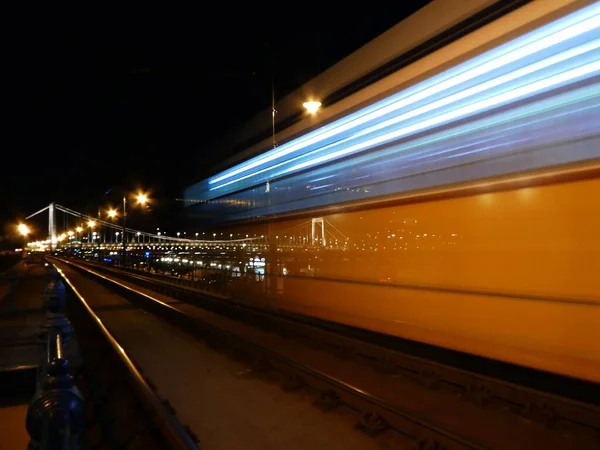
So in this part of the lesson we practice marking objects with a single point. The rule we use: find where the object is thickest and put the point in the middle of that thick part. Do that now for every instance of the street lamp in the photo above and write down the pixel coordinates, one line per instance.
(142, 199)
(91, 224)
(312, 106)
(112, 214)
(23, 229)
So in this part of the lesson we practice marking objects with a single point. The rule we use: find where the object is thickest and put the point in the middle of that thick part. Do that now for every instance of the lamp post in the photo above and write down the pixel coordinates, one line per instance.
(78, 236)
(142, 199)
(273, 111)
(23, 231)
(91, 224)
(112, 213)
(124, 258)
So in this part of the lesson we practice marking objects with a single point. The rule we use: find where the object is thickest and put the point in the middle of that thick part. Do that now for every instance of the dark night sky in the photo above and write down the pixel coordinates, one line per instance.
(129, 96)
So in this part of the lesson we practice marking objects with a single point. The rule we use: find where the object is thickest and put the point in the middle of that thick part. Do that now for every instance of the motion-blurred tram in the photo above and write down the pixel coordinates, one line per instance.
(454, 202)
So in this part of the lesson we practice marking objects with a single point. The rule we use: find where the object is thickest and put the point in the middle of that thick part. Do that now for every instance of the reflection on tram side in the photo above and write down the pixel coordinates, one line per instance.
(455, 207)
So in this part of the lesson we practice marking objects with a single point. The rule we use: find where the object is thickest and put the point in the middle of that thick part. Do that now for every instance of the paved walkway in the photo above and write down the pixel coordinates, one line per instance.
(19, 322)
(20, 353)
(8, 283)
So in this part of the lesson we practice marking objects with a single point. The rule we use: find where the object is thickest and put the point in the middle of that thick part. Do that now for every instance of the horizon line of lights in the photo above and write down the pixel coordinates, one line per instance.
(539, 40)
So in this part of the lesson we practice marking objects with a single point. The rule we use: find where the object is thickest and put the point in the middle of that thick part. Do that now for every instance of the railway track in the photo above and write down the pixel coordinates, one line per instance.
(430, 404)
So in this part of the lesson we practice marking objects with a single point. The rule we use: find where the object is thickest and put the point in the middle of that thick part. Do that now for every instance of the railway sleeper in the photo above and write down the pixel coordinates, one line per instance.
(372, 423)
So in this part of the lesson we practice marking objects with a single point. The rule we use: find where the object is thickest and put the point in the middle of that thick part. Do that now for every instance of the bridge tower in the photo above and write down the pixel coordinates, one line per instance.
(52, 225)
(315, 222)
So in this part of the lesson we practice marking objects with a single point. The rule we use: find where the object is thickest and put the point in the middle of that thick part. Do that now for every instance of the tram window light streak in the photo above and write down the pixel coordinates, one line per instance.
(534, 127)
(480, 88)
(531, 89)
(534, 42)
(554, 120)
(557, 129)
(509, 94)
(471, 71)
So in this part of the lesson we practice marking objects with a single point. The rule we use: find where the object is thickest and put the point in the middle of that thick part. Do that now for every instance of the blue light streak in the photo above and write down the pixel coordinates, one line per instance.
(532, 43)
(526, 97)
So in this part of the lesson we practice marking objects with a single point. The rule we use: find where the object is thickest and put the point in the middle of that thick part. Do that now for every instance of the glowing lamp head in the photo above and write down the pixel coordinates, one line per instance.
(79, 229)
(91, 223)
(112, 213)
(312, 106)
(23, 229)
(142, 199)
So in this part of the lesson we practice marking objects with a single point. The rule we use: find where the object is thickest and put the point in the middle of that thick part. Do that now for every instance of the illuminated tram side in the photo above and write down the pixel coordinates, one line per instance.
(504, 273)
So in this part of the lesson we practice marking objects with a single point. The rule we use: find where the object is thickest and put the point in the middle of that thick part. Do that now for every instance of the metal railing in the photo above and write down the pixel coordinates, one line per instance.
(137, 417)
(89, 392)
(56, 414)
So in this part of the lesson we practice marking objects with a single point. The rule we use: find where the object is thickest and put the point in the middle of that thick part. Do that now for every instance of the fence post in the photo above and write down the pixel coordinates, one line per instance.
(54, 305)
(56, 414)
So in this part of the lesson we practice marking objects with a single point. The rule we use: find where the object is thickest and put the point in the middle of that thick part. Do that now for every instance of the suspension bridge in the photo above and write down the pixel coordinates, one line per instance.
(68, 228)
